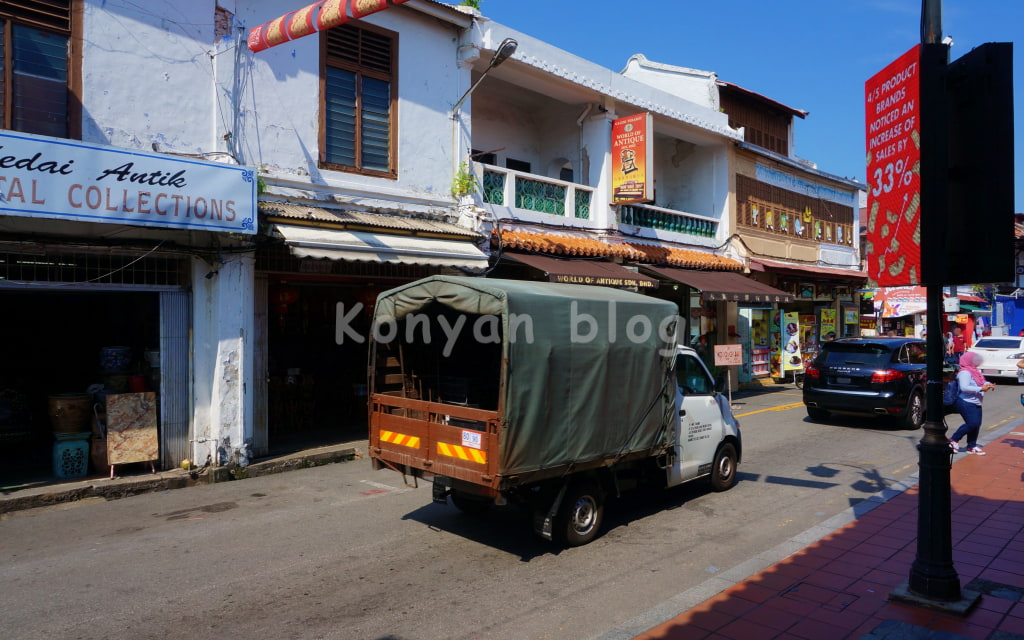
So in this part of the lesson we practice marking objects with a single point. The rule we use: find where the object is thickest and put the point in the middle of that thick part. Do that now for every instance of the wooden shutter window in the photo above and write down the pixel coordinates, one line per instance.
(49, 14)
(357, 47)
(358, 84)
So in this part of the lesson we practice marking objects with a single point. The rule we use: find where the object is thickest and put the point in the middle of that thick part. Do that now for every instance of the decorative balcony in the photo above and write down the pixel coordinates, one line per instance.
(506, 187)
(645, 215)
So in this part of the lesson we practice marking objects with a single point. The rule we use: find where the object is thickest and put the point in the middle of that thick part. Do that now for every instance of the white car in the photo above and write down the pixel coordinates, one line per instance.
(999, 355)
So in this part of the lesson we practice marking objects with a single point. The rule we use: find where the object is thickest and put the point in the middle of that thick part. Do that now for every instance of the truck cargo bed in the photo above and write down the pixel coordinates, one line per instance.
(442, 439)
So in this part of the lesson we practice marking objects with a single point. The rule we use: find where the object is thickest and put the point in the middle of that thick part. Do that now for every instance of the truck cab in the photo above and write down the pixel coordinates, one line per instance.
(707, 435)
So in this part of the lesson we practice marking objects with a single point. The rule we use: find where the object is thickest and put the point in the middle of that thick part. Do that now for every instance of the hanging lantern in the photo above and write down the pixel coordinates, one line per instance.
(284, 296)
(367, 296)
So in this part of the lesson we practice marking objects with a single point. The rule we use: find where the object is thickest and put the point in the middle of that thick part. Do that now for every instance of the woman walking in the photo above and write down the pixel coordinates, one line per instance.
(973, 386)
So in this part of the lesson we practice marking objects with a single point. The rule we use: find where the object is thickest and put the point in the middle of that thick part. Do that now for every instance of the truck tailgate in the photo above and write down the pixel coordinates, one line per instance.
(441, 439)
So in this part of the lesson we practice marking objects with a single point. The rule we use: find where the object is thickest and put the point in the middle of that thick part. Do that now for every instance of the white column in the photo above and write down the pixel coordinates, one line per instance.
(224, 330)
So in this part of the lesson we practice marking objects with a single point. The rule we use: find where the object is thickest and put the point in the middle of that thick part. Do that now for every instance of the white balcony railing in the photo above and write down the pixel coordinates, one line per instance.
(506, 187)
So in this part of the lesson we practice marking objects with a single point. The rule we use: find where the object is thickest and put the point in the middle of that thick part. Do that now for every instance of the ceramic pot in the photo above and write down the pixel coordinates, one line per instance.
(70, 412)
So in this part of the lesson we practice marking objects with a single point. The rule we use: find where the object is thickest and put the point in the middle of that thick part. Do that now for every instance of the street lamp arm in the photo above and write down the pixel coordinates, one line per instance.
(504, 52)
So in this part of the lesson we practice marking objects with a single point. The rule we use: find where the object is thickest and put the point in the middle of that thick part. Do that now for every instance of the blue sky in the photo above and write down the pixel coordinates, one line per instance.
(812, 55)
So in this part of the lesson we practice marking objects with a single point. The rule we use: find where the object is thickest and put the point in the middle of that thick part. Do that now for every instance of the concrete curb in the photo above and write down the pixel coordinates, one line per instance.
(116, 488)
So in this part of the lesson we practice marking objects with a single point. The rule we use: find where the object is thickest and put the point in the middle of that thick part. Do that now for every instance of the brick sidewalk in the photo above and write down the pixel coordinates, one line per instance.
(838, 587)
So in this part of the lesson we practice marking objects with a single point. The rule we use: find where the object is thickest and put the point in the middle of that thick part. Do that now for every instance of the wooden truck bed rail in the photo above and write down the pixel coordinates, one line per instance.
(442, 439)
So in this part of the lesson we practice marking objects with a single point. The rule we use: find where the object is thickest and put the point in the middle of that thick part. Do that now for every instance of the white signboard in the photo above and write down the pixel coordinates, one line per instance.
(728, 355)
(44, 177)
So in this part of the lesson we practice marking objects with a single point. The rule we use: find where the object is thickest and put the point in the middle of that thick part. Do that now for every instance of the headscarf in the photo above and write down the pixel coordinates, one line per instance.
(967, 364)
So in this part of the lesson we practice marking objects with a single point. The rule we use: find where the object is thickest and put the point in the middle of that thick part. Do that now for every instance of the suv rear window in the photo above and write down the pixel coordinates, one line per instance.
(870, 355)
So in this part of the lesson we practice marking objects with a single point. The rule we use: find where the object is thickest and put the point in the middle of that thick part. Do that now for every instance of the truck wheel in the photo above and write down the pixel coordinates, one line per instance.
(469, 505)
(580, 515)
(723, 471)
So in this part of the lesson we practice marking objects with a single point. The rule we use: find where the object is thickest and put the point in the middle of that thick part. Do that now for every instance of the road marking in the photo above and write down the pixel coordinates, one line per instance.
(783, 407)
(1000, 423)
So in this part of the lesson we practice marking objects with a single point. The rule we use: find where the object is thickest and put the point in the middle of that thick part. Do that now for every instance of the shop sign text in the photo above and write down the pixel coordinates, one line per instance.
(53, 178)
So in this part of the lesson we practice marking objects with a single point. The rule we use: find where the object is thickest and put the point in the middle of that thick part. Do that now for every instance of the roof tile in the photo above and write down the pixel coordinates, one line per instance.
(569, 244)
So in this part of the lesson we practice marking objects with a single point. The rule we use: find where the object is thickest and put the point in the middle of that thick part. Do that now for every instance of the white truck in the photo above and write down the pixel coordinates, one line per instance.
(550, 396)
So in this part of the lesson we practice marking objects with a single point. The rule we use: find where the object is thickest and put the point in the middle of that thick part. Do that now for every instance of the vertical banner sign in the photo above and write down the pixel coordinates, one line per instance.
(632, 159)
(312, 18)
(791, 360)
(892, 110)
(828, 322)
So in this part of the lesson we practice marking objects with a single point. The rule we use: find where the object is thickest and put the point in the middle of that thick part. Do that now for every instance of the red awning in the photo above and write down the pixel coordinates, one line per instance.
(808, 269)
(723, 285)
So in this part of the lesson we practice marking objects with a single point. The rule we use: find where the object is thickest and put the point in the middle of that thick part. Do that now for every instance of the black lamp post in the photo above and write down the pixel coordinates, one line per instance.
(933, 580)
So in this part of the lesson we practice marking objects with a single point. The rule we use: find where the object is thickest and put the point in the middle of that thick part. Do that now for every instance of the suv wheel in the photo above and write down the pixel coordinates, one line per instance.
(815, 413)
(915, 411)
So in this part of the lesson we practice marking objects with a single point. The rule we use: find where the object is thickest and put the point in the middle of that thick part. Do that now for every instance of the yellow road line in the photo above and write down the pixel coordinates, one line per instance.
(783, 407)
(1001, 423)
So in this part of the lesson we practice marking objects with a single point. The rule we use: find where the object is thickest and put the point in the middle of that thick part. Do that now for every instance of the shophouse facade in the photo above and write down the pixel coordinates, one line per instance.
(793, 226)
(541, 132)
(798, 227)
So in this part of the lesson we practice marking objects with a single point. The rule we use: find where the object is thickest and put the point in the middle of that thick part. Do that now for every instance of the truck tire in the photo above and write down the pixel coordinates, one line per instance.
(723, 470)
(579, 516)
(470, 505)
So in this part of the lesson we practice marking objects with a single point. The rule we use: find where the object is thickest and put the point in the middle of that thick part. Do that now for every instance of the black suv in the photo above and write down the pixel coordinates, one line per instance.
(872, 376)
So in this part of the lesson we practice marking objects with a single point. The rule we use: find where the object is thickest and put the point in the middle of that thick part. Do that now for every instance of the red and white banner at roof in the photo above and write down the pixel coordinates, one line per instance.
(315, 17)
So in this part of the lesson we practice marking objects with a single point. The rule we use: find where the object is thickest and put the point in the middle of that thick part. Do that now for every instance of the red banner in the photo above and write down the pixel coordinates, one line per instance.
(315, 17)
(632, 159)
(893, 108)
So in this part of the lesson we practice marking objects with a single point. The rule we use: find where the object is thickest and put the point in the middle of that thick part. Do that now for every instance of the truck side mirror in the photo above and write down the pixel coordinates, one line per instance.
(720, 384)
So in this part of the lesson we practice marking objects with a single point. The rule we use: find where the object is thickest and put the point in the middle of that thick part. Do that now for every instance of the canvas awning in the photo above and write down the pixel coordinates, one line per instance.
(724, 286)
(365, 246)
(595, 272)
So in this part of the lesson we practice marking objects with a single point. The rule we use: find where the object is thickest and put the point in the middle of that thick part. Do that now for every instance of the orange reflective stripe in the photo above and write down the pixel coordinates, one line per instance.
(462, 453)
(401, 439)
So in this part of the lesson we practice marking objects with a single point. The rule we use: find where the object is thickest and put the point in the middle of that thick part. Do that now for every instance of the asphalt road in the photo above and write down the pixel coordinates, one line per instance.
(345, 552)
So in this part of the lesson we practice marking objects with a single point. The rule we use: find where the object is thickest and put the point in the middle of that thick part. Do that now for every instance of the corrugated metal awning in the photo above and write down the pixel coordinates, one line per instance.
(596, 272)
(724, 286)
(364, 246)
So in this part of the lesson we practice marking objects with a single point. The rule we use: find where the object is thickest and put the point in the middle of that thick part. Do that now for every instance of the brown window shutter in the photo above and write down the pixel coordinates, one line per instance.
(47, 14)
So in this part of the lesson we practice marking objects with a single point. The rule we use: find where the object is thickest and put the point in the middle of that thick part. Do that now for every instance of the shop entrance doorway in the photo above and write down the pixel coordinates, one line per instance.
(54, 344)
(316, 373)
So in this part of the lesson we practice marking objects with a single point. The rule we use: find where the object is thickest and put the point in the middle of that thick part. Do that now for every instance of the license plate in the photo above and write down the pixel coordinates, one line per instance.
(990, 371)
(842, 381)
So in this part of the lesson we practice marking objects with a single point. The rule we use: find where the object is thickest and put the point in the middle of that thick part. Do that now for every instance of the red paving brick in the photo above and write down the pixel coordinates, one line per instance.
(837, 588)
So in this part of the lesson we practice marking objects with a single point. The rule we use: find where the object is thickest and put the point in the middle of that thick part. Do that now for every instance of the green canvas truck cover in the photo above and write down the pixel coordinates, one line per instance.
(587, 374)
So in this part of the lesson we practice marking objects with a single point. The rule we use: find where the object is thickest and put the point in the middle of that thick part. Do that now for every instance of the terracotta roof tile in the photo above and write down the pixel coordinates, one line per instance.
(569, 244)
